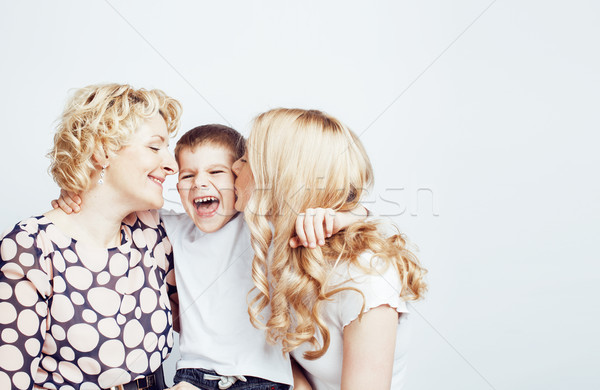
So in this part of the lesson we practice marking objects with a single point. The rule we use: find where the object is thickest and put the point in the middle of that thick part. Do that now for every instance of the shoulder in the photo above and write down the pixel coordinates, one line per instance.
(22, 235)
(368, 268)
(174, 221)
(367, 283)
(29, 225)
(24, 251)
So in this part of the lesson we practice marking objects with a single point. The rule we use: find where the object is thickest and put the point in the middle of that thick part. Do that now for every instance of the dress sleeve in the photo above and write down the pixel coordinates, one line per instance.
(380, 286)
(170, 270)
(24, 293)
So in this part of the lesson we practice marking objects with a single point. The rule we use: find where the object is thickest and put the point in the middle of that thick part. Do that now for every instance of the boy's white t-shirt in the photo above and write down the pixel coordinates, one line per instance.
(213, 273)
(382, 287)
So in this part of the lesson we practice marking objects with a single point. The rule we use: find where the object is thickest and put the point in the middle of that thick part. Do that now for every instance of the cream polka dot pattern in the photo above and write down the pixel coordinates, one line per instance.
(62, 308)
(11, 358)
(26, 259)
(113, 377)
(74, 317)
(77, 298)
(112, 353)
(28, 322)
(21, 380)
(8, 313)
(4, 381)
(32, 346)
(128, 304)
(12, 271)
(104, 301)
(103, 278)
(89, 316)
(9, 335)
(5, 291)
(80, 277)
(136, 361)
(8, 249)
(58, 332)
(118, 265)
(89, 366)
(59, 284)
(150, 342)
(108, 327)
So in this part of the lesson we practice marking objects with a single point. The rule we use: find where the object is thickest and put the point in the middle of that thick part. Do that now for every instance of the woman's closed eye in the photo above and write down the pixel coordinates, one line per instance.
(216, 171)
(186, 176)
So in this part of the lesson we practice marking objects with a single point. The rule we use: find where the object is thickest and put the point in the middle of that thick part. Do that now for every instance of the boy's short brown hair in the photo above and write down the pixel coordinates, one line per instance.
(217, 135)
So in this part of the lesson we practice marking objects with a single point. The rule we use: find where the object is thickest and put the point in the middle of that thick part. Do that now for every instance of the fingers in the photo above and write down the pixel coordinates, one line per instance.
(300, 231)
(64, 206)
(309, 228)
(329, 221)
(69, 202)
(313, 227)
(318, 222)
(294, 242)
(54, 204)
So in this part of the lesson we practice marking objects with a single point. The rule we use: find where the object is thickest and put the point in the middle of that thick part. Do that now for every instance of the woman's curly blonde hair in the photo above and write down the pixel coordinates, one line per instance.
(103, 118)
(302, 159)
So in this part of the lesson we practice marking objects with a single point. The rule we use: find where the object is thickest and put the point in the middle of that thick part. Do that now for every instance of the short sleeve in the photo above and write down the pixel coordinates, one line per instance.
(24, 293)
(381, 286)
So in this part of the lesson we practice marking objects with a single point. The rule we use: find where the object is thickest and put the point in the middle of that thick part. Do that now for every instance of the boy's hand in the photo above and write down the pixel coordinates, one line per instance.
(68, 202)
(313, 226)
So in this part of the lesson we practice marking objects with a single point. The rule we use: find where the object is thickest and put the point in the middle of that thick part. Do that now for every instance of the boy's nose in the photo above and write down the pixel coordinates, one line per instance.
(201, 181)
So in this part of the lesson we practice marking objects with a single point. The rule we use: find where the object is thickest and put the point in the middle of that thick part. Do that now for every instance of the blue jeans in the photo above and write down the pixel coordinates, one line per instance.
(195, 376)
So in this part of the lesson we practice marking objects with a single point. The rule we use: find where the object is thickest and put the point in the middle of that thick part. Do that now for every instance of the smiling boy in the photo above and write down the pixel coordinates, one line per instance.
(213, 260)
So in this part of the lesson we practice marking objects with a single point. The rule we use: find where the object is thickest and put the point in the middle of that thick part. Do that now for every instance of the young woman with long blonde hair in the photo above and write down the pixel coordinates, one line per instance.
(339, 309)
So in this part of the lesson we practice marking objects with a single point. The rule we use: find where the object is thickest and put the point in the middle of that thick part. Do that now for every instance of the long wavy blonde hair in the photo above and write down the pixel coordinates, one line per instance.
(103, 116)
(302, 159)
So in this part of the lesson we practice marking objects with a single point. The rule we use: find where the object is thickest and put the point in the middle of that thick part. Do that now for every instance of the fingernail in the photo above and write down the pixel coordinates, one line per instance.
(321, 242)
(328, 235)
(313, 245)
(304, 243)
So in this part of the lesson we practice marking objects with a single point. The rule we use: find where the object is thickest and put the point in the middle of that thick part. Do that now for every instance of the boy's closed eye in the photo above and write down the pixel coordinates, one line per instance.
(186, 176)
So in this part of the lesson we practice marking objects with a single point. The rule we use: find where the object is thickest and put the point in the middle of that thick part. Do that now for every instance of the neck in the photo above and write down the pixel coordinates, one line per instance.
(98, 223)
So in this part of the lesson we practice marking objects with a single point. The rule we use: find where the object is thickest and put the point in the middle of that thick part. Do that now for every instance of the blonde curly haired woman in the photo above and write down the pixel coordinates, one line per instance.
(339, 309)
(83, 297)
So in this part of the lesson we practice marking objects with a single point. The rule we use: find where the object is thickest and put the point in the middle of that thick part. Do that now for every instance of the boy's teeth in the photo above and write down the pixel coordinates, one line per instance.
(207, 199)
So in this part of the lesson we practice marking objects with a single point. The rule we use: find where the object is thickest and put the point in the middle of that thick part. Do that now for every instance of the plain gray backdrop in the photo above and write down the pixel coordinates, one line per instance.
(480, 117)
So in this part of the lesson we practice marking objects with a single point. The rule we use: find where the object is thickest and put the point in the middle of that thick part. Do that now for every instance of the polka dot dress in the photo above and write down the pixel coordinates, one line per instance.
(77, 317)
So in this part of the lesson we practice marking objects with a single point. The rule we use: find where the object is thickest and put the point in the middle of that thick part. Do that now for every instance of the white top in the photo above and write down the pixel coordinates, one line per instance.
(213, 274)
(382, 287)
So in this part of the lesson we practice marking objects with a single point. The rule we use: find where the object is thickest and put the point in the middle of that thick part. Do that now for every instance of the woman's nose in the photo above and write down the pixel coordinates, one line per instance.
(169, 164)
(235, 167)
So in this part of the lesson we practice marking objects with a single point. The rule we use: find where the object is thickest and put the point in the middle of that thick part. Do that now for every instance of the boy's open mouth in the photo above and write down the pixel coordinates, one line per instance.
(206, 206)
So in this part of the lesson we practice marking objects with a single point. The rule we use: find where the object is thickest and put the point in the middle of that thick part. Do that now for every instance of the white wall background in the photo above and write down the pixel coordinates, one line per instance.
(492, 105)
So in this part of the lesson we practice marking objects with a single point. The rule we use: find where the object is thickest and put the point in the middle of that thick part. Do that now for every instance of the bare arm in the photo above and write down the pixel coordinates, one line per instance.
(369, 345)
(300, 381)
